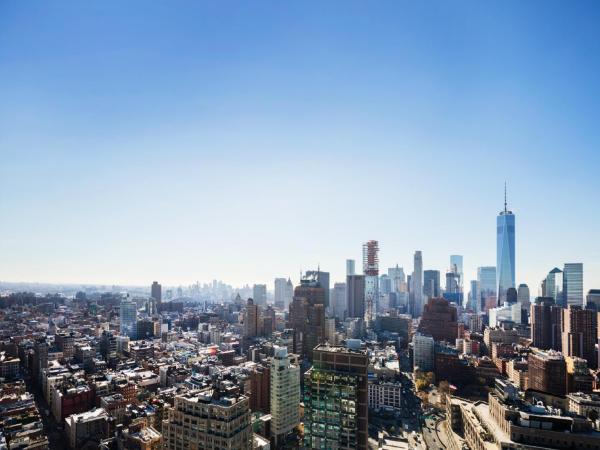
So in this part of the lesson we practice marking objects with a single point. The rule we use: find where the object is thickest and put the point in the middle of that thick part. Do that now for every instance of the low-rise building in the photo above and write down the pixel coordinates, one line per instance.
(87, 428)
(385, 395)
(582, 404)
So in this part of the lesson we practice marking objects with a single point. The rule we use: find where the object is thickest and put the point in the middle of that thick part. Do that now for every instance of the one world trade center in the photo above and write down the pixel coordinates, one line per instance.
(505, 251)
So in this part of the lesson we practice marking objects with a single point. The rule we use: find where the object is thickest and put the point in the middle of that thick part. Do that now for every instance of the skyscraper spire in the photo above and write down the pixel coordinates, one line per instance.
(505, 250)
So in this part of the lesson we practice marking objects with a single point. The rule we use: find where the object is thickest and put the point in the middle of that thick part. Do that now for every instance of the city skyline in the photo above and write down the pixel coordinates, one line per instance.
(269, 225)
(535, 286)
(193, 153)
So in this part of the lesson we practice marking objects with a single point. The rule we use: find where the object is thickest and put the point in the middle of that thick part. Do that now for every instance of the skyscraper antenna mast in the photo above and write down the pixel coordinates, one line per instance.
(505, 202)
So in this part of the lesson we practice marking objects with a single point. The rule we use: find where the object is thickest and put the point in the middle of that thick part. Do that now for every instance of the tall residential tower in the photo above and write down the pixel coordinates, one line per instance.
(417, 285)
(371, 271)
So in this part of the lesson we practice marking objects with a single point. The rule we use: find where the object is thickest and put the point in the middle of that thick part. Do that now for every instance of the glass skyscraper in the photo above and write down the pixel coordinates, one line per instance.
(128, 317)
(553, 286)
(456, 266)
(486, 276)
(573, 284)
(431, 283)
(505, 252)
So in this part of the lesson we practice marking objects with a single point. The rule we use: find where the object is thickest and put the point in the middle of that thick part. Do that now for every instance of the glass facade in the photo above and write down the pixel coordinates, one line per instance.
(573, 284)
(330, 400)
(505, 253)
(128, 317)
(554, 286)
(431, 283)
(456, 266)
(486, 277)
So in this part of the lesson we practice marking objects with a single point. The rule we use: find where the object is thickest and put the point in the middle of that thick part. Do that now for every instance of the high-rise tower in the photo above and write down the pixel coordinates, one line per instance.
(285, 394)
(336, 401)
(417, 285)
(350, 264)
(553, 286)
(355, 296)
(307, 315)
(573, 284)
(486, 277)
(156, 291)
(456, 266)
(505, 251)
(128, 317)
(371, 271)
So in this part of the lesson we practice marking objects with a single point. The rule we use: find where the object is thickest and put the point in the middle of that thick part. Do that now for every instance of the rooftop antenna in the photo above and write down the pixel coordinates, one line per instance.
(505, 203)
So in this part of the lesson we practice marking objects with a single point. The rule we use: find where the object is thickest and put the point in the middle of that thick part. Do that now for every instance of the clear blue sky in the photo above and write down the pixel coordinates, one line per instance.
(187, 140)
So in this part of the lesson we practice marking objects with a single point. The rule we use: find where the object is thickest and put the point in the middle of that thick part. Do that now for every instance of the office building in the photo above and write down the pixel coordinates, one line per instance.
(452, 283)
(336, 399)
(523, 296)
(338, 301)
(350, 267)
(259, 294)
(553, 286)
(283, 293)
(385, 285)
(511, 295)
(474, 297)
(269, 321)
(423, 352)
(398, 278)
(573, 284)
(456, 266)
(355, 296)
(417, 285)
(285, 394)
(307, 315)
(486, 277)
(156, 291)
(440, 320)
(507, 312)
(592, 299)
(431, 284)
(579, 333)
(323, 279)
(547, 372)
(128, 317)
(252, 320)
(546, 328)
(505, 251)
(216, 418)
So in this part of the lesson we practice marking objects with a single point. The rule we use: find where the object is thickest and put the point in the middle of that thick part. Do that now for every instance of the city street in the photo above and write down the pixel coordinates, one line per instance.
(433, 435)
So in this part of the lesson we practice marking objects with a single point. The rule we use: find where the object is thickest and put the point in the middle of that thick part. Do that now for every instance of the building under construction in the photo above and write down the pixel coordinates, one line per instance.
(371, 271)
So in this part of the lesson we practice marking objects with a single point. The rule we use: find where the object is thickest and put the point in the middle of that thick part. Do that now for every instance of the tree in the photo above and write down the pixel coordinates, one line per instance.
(421, 384)
(424, 396)
(444, 387)
(429, 377)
